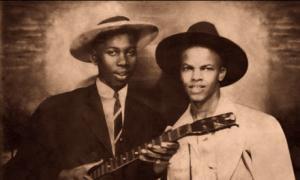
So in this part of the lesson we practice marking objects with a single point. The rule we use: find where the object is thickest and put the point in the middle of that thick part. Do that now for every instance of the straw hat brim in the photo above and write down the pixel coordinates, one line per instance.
(168, 53)
(81, 46)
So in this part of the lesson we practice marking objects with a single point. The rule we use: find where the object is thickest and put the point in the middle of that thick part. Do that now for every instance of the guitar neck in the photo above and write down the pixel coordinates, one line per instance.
(206, 125)
(121, 160)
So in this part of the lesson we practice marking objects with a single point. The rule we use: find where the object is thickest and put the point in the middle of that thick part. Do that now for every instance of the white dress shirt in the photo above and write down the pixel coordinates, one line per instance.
(255, 150)
(106, 94)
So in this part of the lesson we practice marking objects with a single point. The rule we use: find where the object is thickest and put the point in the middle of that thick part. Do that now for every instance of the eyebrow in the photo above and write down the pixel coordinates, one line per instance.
(113, 47)
(186, 64)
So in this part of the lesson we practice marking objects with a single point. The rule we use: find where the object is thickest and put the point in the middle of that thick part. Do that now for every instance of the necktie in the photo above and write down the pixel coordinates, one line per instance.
(117, 119)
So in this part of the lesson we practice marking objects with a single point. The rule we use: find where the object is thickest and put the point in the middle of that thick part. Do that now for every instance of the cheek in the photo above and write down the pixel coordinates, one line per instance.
(106, 65)
(185, 77)
(132, 61)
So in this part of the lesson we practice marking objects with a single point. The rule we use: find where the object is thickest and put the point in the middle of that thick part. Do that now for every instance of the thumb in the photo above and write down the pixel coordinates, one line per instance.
(168, 128)
(90, 165)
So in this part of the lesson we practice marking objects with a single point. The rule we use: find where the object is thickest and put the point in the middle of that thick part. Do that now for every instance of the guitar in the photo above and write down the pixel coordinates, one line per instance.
(198, 127)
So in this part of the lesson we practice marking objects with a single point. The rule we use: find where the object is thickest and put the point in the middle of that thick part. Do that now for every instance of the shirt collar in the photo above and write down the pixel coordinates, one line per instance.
(107, 92)
(224, 106)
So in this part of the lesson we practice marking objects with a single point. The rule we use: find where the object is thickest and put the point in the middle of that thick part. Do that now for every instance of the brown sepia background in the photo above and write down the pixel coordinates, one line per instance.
(36, 63)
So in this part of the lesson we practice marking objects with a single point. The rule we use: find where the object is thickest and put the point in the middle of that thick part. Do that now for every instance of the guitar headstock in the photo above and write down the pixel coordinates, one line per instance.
(214, 123)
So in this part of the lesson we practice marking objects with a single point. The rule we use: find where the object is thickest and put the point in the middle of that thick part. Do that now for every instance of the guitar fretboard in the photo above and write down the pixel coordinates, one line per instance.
(199, 127)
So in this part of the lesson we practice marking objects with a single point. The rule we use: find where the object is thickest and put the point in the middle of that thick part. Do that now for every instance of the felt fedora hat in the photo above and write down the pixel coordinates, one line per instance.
(168, 51)
(82, 45)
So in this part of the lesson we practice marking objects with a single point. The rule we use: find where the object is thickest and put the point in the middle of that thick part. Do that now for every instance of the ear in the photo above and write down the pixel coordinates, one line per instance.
(222, 73)
(93, 57)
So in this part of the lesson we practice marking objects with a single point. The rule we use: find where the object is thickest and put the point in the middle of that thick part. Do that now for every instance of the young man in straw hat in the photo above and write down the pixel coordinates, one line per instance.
(71, 132)
(203, 62)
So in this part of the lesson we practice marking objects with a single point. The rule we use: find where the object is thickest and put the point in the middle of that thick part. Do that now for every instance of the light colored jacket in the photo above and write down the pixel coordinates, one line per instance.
(257, 149)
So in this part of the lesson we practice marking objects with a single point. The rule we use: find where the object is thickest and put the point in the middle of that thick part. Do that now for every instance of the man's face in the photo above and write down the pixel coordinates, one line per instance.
(201, 72)
(116, 58)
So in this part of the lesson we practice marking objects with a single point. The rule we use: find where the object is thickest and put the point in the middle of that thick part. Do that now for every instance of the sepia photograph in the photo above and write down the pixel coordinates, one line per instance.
(150, 90)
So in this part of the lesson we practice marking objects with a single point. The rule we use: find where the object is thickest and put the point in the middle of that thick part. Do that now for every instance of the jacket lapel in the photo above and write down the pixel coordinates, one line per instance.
(134, 118)
(230, 143)
(94, 117)
(230, 146)
(129, 124)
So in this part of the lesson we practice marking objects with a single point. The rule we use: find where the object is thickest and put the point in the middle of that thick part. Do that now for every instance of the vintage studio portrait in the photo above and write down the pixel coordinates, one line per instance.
(150, 90)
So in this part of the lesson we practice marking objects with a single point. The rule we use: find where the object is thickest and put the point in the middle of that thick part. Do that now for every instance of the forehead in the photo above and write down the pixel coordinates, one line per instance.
(198, 55)
(118, 40)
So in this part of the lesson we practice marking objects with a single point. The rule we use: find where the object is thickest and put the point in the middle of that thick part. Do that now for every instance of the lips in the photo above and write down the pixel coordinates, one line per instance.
(121, 75)
(196, 88)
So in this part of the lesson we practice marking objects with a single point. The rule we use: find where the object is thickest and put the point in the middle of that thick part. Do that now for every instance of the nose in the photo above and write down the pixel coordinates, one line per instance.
(122, 60)
(197, 75)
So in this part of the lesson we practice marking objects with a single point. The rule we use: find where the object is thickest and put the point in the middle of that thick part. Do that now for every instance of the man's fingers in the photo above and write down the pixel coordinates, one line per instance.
(165, 148)
(153, 156)
(150, 159)
(170, 145)
(86, 177)
(150, 154)
(168, 128)
(143, 158)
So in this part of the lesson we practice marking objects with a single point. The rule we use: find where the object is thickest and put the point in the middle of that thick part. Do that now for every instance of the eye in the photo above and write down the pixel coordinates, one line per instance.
(131, 52)
(111, 52)
(186, 68)
(207, 68)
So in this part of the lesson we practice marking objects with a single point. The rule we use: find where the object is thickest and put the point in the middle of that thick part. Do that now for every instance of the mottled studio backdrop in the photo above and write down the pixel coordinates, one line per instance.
(36, 63)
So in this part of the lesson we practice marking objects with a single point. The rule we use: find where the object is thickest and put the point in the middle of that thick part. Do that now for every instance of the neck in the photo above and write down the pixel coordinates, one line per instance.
(115, 88)
(205, 108)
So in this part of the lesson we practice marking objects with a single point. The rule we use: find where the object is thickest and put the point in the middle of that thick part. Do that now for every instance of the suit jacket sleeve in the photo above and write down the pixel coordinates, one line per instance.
(36, 156)
(156, 126)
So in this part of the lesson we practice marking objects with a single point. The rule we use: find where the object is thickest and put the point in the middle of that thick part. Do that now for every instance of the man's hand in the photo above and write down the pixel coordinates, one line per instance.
(78, 173)
(159, 155)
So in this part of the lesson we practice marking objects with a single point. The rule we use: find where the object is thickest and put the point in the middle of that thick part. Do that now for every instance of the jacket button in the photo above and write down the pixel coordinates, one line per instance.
(121, 139)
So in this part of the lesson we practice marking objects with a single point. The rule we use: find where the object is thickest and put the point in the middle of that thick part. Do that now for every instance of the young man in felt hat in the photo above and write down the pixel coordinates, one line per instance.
(71, 132)
(203, 62)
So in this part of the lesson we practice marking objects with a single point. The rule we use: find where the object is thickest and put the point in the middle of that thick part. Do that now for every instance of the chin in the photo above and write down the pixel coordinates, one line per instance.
(118, 84)
(197, 98)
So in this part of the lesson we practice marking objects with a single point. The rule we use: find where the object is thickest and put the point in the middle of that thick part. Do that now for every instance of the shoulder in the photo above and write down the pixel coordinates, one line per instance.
(144, 98)
(65, 99)
(256, 121)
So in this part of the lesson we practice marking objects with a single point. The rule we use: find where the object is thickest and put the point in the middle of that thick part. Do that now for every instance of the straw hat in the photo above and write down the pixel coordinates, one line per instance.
(81, 45)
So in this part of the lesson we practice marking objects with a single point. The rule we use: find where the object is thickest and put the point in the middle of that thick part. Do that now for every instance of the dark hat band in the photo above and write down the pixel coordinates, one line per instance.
(114, 19)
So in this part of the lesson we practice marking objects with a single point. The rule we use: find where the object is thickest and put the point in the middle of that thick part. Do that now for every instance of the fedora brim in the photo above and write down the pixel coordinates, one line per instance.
(81, 46)
(168, 53)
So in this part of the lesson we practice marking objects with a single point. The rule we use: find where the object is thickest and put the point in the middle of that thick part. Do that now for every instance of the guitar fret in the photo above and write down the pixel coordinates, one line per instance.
(158, 140)
(108, 166)
(173, 135)
(97, 173)
(102, 169)
(112, 163)
(153, 142)
(105, 167)
(177, 133)
(130, 157)
(136, 152)
(127, 156)
(132, 152)
(119, 160)
(182, 130)
(169, 135)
